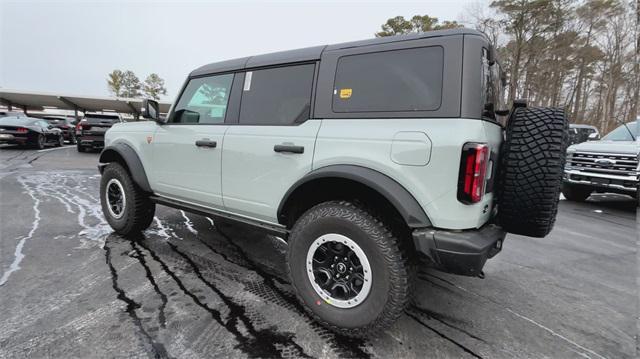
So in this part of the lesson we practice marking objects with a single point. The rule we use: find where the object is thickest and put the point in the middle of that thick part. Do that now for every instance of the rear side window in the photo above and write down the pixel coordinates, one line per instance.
(398, 80)
(204, 100)
(277, 96)
(101, 118)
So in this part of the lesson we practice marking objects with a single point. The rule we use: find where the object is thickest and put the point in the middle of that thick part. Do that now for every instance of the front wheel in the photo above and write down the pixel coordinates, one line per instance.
(126, 207)
(72, 139)
(576, 193)
(347, 269)
(60, 142)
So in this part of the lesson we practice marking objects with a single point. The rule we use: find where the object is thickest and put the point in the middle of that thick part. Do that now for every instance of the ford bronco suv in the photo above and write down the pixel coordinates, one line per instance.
(366, 157)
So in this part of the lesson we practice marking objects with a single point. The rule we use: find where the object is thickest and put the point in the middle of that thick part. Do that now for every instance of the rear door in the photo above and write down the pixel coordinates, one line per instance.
(272, 144)
(187, 150)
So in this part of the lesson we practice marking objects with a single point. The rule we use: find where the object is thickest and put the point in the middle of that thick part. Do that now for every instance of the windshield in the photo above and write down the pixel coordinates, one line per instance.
(622, 133)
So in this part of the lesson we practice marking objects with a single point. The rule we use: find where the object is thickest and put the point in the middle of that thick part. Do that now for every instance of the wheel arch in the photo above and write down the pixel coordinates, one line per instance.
(127, 156)
(346, 179)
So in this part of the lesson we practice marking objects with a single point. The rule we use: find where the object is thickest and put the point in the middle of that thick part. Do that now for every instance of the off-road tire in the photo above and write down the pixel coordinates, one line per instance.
(576, 193)
(138, 211)
(391, 272)
(531, 167)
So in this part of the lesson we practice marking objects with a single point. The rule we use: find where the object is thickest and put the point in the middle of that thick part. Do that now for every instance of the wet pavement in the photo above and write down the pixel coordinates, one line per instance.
(192, 287)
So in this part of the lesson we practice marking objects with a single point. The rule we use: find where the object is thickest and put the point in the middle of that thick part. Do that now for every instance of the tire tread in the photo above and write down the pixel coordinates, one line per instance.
(388, 244)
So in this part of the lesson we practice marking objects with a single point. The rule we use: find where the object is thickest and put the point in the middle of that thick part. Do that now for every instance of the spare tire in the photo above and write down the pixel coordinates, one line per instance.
(531, 166)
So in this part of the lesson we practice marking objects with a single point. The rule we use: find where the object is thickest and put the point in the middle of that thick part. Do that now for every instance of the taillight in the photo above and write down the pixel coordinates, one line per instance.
(22, 130)
(473, 168)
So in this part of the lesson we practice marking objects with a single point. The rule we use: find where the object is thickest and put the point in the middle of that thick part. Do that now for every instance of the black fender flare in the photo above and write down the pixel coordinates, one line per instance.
(395, 193)
(130, 157)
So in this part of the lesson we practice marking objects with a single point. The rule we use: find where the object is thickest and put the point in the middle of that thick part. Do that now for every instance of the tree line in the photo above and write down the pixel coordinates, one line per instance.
(583, 55)
(127, 84)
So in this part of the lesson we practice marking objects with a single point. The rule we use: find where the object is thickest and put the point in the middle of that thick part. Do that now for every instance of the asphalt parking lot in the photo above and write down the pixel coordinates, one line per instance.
(194, 288)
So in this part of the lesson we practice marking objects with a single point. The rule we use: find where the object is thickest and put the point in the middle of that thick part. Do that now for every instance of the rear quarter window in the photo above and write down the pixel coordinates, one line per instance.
(103, 119)
(396, 80)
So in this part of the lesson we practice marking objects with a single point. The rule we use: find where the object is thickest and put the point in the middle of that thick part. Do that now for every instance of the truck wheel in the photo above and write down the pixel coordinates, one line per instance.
(575, 193)
(532, 162)
(126, 207)
(347, 269)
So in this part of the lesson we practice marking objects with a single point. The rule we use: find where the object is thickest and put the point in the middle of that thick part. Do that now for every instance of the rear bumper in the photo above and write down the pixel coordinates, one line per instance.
(91, 141)
(459, 252)
(8, 138)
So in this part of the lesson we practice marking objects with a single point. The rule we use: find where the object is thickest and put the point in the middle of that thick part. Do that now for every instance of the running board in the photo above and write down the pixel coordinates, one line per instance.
(278, 229)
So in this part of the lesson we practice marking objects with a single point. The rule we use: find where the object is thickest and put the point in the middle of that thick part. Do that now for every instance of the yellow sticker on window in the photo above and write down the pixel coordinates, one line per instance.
(345, 93)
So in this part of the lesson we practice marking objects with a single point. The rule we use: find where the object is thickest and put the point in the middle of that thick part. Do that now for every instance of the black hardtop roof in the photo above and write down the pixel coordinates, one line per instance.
(314, 53)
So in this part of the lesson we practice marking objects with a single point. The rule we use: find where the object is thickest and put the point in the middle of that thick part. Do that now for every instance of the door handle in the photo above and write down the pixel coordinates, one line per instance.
(288, 148)
(206, 143)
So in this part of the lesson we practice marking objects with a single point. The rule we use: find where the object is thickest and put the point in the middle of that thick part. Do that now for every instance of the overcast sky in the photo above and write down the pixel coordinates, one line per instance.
(69, 47)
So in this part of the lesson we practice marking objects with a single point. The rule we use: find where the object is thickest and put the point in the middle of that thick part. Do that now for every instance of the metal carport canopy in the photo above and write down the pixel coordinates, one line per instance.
(30, 100)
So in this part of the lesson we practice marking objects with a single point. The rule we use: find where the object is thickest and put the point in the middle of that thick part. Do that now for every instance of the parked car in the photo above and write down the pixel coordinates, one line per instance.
(91, 129)
(366, 157)
(66, 125)
(579, 133)
(29, 131)
(609, 165)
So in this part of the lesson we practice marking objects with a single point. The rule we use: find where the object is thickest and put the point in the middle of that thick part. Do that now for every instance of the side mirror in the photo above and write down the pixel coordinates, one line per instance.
(151, 109)
(593, 136)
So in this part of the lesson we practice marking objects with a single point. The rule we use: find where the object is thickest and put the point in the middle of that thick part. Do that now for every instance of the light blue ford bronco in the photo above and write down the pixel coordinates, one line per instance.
(366, 157)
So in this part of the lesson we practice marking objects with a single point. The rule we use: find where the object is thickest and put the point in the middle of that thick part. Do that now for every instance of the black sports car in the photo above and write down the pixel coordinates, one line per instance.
(29, 131)
(66, 124)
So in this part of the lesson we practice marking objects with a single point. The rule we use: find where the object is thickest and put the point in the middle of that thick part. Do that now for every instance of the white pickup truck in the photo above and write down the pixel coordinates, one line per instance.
(609, 165)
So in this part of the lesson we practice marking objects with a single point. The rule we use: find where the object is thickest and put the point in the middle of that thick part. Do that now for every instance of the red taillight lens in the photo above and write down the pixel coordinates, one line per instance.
(473, 170)
(84, 126)
(22, 130)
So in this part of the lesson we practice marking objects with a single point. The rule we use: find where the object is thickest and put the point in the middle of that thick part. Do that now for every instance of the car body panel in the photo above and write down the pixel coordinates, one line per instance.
(185, 171)
(435, 184)
(255, 178)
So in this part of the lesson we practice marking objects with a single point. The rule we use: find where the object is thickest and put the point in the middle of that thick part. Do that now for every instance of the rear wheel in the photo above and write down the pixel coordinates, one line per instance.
(347, 269)
(81, 148)
(60, 142)
(576, 193)
(41, 141)
(126, 207)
